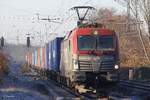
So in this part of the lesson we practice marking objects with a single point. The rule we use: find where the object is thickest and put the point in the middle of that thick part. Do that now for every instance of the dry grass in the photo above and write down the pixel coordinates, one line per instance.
(131, 52)
(3, 64)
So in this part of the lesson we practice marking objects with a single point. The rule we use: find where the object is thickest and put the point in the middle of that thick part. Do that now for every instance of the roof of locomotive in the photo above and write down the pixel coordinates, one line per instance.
(89, 31)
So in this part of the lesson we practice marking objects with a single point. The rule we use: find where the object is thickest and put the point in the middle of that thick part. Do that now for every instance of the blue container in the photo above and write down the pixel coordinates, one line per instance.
(35, 57)
(49, 56)
(55, 54)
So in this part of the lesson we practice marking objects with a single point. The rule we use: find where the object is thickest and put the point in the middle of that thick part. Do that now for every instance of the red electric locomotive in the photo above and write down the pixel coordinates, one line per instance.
(88, 52)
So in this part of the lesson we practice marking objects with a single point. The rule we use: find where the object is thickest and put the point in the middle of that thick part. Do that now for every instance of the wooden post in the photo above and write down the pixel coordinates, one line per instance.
(131, 74)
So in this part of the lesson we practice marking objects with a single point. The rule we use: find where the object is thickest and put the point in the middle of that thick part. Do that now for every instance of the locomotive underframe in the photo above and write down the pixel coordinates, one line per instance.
(85, 76)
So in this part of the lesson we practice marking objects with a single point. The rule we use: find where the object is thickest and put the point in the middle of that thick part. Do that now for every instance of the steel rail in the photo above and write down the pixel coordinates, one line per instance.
(136, 85)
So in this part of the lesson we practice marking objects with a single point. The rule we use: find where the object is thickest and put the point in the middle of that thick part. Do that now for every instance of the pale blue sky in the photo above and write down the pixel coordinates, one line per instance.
(19, 7)
(16, 15)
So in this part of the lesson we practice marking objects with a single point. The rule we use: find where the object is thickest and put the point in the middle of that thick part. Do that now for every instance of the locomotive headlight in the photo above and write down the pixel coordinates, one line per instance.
(75, 64)
(116, 67)
(95, 33)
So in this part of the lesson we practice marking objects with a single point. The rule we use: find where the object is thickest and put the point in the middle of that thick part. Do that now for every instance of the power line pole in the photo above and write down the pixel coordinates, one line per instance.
(138, 24)
(17, 38)
(128, 16)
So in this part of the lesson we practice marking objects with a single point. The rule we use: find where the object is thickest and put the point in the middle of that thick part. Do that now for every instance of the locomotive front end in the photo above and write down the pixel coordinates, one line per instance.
(97, 55)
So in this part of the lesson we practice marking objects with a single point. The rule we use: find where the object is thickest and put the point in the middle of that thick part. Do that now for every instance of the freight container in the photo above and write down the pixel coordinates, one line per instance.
(42, 57)
(35, 57)
(43, 64)
(32, 58)
(47, 56)
(26, 57)
(55, 53)
(39, 57)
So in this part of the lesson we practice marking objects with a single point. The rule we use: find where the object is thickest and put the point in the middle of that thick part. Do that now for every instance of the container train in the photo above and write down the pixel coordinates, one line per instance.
(86, 53)
(83, 54)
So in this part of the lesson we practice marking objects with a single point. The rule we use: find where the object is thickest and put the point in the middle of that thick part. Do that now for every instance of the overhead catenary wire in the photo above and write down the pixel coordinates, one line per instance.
(70, 16)
(62, 2)
(22, 18)
(87, 2)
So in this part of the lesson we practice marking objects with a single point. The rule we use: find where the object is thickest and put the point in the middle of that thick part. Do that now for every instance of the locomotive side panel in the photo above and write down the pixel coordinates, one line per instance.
(64, 67)
(62, 61)
(66, 58)
(67, 55)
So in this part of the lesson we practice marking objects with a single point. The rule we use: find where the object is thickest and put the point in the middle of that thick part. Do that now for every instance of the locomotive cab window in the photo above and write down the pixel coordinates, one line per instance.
(106, 42)
(86, 42)
(89, 42)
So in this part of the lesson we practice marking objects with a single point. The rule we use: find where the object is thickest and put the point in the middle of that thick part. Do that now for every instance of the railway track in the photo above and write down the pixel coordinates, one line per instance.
(137, 86)
(80, 96)
(132, 87)
(129, 89)
(83, 96)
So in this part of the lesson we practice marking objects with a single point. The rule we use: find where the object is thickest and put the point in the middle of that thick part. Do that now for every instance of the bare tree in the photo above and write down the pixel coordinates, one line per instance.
(106, 13)
(140, 9)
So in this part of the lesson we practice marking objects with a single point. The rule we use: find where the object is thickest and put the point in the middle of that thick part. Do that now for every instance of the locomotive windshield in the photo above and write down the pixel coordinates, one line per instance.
(86, 42)
(105, 42)
(99, 42)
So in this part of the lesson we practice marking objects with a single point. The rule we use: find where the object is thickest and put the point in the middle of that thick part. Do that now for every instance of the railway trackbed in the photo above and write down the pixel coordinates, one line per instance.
(123, 89)
(137, 86)
(129, 89)
(79, 96)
